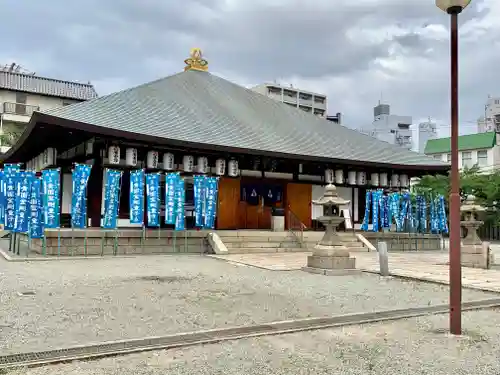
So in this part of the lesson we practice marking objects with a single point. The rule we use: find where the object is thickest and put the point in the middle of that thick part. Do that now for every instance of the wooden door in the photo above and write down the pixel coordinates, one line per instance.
(298, 199)
(229, 199)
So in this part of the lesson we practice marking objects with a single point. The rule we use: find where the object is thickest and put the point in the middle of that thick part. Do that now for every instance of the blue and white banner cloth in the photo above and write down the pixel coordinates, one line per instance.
(376, 197)
(384, 205)
(10, 199)
(180, 197)
(211, 194)
(81, 174)
(199, 186)
(51, 197)
(443, 223)
(171, 181)
(35, 223)
(23, 193)
(153, 199)
(136, 201)
(403, 215)
(112, 189)
(2, 196)
(366, 218)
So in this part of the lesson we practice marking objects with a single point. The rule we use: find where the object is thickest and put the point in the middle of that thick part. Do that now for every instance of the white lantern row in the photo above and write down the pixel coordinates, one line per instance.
(339, 176)
(220, 167)
(46, 158)
(361, 178)
(351, 178)
(395, 180)
(374, 179)
(168, 161)
(383, 180)
(152, 159)
(403, 180)
(188, 163)
(131, 157)
(329, 176)
(233, 169)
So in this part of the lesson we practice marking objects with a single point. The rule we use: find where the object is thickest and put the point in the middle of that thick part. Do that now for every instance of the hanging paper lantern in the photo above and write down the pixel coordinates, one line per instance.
(374, 180)
(233, 168)
(202, 165)
(403, 180)
(361, 178)
(339, 176)
(220, 167)
(152, 160)
(168, 161)
(114, 155)
(188, 163)
(351, 177)
(329, 176)
(383, 181)
(131, 157)
(395, 180)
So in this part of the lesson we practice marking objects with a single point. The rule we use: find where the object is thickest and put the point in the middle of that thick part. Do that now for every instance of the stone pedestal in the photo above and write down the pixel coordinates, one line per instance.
(476, 256)
(330, 256)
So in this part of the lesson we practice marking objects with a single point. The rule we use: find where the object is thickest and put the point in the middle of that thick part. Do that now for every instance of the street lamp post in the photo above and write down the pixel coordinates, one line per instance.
(454, 8)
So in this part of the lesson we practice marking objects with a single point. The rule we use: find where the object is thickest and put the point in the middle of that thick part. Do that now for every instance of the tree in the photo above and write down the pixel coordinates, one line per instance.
(485, 188)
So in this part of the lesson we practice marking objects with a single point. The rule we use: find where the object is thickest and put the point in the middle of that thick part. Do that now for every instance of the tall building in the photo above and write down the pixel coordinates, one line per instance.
(490, 120)
(426, 131)
(306, 100)
(22, 93)
(390, 128)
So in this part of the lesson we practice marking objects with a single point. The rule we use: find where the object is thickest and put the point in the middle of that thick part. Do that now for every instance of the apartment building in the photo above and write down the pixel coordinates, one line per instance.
(22, 93)
(481, 150)
(306, 100)
(490, 121)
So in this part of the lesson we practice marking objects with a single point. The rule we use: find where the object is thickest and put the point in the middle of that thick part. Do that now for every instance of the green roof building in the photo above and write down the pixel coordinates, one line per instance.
(196, 122)
(474, 149)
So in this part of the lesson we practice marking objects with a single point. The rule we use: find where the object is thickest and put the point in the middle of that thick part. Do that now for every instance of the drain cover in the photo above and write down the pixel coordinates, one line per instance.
(26, 293)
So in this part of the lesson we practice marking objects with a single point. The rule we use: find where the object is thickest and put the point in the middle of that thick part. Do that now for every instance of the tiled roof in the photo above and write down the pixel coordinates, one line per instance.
(46, 86)
(465, 142)
(202, 108)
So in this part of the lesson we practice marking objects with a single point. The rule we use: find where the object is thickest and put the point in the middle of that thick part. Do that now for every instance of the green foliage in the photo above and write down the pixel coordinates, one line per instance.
(485, 187)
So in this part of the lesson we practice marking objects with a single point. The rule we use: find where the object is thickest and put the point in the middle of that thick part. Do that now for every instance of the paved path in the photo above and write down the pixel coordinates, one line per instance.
(424, 266)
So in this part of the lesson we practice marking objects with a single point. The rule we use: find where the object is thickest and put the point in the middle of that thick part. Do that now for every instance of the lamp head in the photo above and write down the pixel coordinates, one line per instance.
(452, 6)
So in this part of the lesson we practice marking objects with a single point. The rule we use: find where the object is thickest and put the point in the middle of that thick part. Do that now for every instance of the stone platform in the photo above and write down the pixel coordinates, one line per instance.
(95, 241)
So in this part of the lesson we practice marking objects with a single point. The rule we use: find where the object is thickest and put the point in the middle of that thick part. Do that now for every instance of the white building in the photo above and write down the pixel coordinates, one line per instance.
(425, 132)
(490, 121)
(393, 129)
(306, 100)
(21, 94)
(481, 150)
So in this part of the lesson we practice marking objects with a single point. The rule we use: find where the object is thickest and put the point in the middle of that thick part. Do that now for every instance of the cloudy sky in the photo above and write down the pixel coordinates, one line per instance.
(355, 51)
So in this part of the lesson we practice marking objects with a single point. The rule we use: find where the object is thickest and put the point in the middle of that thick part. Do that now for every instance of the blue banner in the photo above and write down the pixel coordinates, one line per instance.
(199, 184)
(81, 174)
(23, 202)
(153, 199)
(35, 222)
(9, 170)
(171, 181)
(366, 218)
(180, 197)
(111, 198)
(51, 200)
(136, 202)
(10, 199)
(211, 192)
(2, 197)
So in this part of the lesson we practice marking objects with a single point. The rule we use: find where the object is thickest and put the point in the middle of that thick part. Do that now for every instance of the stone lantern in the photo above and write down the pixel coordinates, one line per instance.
(473, 252)
(330, 256)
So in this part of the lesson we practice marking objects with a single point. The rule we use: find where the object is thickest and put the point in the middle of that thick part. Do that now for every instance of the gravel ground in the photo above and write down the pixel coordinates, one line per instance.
(413, 346)
(88, 301)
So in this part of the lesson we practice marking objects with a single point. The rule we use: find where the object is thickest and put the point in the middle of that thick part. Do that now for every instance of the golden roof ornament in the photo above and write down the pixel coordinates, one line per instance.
(196, 61)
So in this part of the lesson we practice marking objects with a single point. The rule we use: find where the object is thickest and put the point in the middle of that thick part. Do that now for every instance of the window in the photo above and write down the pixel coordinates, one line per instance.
(466, 159)
(497, 101)
(21, 99)
(482, 158)
(319, 99)
(448, 158)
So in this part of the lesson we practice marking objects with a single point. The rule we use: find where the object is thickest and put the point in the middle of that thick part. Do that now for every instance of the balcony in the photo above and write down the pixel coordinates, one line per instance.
(17, 112)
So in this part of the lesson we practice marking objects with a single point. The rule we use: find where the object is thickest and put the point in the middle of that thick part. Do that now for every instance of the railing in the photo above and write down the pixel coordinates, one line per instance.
(295, 226)
(19, 108)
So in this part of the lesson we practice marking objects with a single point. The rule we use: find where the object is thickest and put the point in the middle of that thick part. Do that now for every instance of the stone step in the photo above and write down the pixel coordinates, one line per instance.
(260, 250)
(261, 244)
(256, 239)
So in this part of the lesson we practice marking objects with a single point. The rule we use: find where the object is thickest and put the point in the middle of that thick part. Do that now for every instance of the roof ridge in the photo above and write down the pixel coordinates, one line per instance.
(48, 79)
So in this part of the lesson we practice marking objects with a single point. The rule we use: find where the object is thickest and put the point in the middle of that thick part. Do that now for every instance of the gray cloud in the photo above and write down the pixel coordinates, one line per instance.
(352, 51)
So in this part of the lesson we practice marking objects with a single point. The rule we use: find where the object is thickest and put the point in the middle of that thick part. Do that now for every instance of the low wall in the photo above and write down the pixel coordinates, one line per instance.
(397, 241)
(120, 242)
